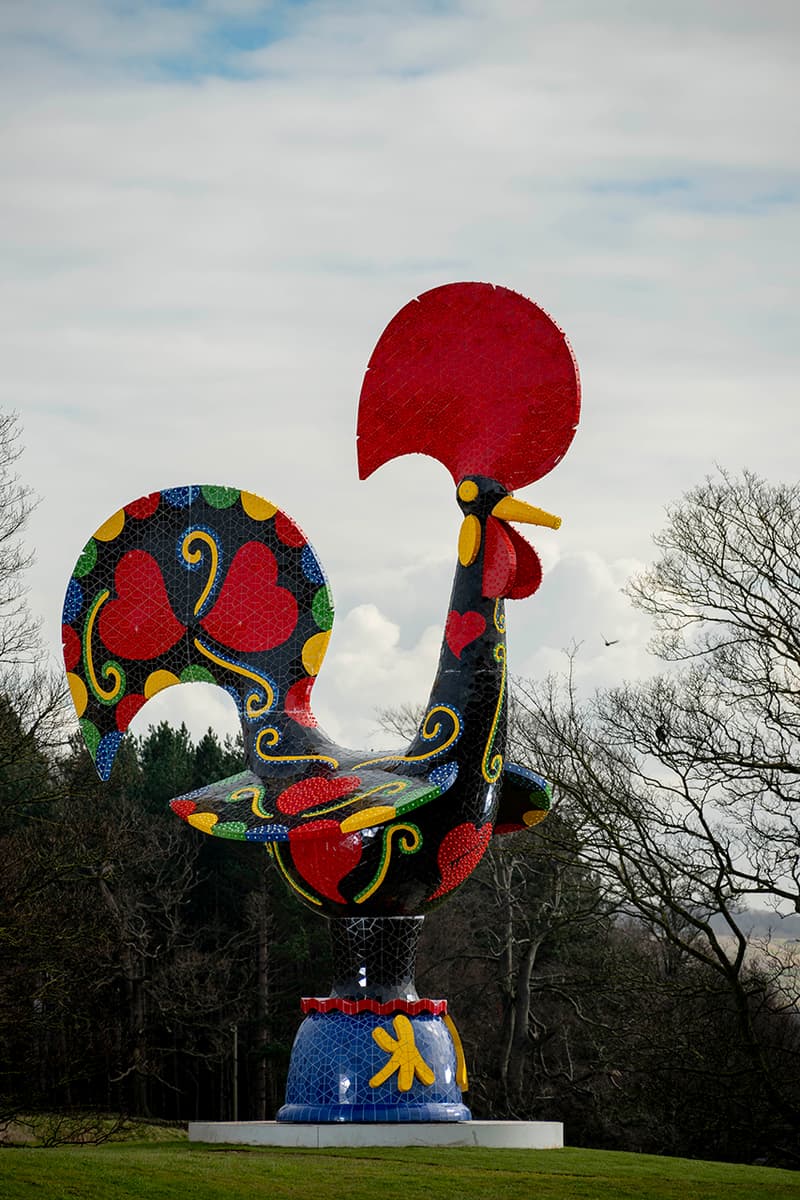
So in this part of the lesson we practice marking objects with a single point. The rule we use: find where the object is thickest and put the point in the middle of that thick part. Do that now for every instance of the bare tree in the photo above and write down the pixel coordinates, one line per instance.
(31, 692)
(685, 787)
(18, 631)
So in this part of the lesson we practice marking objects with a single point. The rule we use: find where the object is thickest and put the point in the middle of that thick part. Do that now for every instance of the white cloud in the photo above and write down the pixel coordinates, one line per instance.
(368, 668)
(581, 607)
(199, 706)
(196, 268)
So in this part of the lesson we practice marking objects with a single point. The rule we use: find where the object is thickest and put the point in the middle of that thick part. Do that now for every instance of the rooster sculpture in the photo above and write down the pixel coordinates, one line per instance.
(214, 584)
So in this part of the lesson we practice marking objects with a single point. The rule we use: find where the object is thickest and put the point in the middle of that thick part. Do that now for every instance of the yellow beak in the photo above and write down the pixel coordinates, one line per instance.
(510, 509)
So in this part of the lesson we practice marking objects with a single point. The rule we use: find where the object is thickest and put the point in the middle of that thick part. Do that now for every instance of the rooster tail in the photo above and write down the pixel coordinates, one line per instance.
(196, 584)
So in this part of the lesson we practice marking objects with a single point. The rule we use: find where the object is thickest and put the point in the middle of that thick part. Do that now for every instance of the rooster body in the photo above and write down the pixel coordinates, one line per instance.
(210, 584)
(215, 584)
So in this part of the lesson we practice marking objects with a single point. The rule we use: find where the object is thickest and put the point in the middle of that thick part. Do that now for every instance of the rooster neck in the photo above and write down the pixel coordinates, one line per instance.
(470, 682)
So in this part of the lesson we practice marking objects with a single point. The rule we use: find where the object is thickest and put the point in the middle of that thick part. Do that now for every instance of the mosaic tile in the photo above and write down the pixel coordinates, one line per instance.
(204, 582)
(340, 1071)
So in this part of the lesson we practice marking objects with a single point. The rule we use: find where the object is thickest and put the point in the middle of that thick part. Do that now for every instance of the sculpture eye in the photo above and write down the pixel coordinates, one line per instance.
(467, 490)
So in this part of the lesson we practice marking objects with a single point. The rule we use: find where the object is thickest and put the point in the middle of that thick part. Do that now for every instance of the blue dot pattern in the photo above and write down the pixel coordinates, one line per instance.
(536, 781)
(73, 602)
(106, 753)
(311, 566)
(444, 776)
(270, 832)
(179, 497)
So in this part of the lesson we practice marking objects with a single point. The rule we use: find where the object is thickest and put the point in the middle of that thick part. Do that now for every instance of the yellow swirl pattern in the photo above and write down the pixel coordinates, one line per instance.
(407, 846)
(254, 708)
(498, 617)
(110, 670)
(272, 737)
(428, 733)
(388, 789)
(253, 705)
(491, 770)
(194, 556)
(255, 795)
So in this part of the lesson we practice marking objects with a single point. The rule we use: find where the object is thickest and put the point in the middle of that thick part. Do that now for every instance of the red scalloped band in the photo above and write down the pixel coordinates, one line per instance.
(412, 1008)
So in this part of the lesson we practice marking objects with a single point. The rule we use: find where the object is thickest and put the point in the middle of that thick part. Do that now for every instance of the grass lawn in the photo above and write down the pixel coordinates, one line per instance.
(180, 1171)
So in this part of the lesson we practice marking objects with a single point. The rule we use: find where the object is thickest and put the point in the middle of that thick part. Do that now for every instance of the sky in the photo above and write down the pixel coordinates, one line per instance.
(211, 209)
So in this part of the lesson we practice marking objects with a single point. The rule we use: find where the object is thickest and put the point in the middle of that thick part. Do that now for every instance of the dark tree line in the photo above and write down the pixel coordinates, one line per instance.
(684, 794)
(600, 968)
(144, 967)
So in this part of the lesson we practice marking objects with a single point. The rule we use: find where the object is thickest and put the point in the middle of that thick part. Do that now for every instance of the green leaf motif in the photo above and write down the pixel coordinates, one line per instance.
(196, 674)
(87, 559)
(220, 497)
(230, 829)
(322, 608)
(91, 735)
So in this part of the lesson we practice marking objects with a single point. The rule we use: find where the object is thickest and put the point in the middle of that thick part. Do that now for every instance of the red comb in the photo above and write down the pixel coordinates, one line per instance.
(477, 377)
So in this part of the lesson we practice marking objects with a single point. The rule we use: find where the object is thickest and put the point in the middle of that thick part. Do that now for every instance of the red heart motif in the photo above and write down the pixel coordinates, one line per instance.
(144, 507)
(459, 854)
(252, 612)
(463, 628)
(183, 808)
(309, 793)
(298, 702)
(289, 533)
(72, 647)
(127, 709)
(323, 856)
(139, 624)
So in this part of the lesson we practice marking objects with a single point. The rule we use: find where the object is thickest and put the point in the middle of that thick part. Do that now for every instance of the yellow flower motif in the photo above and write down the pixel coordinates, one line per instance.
(405, 1058)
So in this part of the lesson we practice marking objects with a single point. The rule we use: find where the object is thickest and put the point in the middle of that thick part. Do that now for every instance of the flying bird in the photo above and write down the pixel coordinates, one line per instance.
(217, 584)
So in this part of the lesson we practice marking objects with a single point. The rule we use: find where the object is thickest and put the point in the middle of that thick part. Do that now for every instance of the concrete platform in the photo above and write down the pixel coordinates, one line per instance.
(497, 1135)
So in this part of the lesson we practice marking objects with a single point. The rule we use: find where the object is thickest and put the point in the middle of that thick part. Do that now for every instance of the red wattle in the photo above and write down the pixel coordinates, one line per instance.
(528, 574)
(183, 808)
(511, 566)
(499, 559)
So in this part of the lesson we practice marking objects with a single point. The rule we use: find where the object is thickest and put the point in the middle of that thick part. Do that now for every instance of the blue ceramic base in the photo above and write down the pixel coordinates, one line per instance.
(335, 1056)
(362, 1114)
